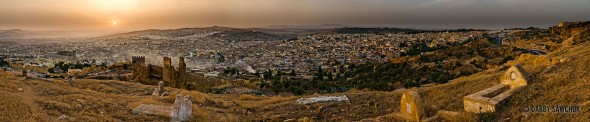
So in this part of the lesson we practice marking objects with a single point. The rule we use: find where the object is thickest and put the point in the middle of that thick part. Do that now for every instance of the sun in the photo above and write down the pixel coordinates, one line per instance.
(114, 22)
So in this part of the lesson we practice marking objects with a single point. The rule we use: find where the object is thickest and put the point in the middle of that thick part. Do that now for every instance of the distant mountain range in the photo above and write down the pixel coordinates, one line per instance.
(29, 34)
(276, 32)
(226, 33)
(322, 26)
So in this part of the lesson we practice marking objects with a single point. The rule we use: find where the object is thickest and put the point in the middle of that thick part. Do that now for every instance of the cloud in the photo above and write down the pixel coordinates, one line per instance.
(142, 14)
(447, 3)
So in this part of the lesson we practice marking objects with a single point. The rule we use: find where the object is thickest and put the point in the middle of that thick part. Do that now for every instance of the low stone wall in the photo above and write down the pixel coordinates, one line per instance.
(481, 102)
(180, 111)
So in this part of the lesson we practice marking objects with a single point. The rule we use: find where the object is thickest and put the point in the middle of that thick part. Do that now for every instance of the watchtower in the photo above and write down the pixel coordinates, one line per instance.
(138, 59)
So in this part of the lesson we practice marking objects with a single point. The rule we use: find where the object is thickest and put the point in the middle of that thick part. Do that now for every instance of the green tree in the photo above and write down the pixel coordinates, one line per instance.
(267, 74)
(257, 74)
(277, 86)
(320, 74)
(279, 73)
(263, 84)
(293, 72)
(220, 57)
(296, 90)
(50, 70)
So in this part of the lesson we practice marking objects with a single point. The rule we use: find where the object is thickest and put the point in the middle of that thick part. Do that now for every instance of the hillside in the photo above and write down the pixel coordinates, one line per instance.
(16, 34)
(559, 78)
(564, 82)
(225, 33)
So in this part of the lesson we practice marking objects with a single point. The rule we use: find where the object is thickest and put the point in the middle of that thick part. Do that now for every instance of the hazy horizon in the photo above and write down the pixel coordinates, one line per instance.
(130, 15)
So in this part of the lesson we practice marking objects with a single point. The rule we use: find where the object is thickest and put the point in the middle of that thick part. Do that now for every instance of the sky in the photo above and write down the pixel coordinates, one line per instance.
(122, 15)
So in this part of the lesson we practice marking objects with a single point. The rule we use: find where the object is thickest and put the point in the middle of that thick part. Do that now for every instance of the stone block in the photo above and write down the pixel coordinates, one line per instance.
(479, 102)
(166, 70)
(411, 106)
(515, 76)
(159, 91)
(153, 110)
(489, 100)
(181, 79)
(138, 60)
(180, 111)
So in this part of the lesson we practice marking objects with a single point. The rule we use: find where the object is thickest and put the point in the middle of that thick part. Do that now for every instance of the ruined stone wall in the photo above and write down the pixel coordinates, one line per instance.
(537, 62)
(146, 74)
(181, 80)
(167, 71)
(200, 83)
(119, 66)
(140, 73)
(155, 71)
(572, 32)
(138, 59)
(178, 78)
(15, 65)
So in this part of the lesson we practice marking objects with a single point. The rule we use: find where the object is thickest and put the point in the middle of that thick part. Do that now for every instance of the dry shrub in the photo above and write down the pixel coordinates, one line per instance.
(394, 117)
(265, 101)
(354, 90)
(9, 86)
(195, 96)
(305, 119)
(64, 108)
(147, 100)
(251, 86)
(7, 74)
(229, 118)
(201, 115)
(12, 109)
(246, 97)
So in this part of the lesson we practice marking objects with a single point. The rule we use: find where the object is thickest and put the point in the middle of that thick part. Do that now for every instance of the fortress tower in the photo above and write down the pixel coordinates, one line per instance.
(167, 71)
(181, 80)
(138, 59)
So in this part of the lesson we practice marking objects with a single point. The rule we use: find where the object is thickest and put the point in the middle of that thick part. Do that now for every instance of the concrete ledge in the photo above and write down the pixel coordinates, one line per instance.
(153, 110)
(481, 102)
(180, 111)
(489, 100)
(505, 95)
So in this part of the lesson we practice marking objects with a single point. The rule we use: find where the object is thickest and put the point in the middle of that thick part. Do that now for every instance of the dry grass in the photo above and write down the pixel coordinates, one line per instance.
(566, 83)
(195, 96)
(146, 100)
(247, 97)
(11, 109)
(48, 100)
(201, 115)
(265, 101)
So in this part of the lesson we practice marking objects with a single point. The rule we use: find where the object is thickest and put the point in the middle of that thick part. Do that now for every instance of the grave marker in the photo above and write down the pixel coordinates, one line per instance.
(411, 106)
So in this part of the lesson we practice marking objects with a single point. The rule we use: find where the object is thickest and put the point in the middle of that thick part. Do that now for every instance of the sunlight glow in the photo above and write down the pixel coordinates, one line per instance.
(116, 5)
